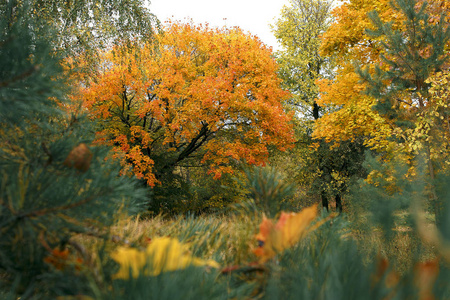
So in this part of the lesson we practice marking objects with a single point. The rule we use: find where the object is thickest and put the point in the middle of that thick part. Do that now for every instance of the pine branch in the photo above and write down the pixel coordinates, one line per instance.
(19, 77)
(49, 210)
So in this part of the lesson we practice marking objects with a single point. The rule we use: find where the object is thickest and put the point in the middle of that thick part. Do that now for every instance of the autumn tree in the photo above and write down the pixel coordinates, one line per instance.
(347, 41)
(196, 96)
(390, 38)
(400, 46)
(322, 169)
(434, 122)
(401, 88)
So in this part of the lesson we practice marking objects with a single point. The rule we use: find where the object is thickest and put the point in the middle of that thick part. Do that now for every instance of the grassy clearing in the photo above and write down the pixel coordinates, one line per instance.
(226, 239)
(230, 239)
(329, 252)
(319, 263)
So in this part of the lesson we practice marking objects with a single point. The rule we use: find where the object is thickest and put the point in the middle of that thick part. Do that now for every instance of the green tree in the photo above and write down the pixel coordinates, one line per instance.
(327, 168)
(82, 27)
(298, 30)
(53, 182)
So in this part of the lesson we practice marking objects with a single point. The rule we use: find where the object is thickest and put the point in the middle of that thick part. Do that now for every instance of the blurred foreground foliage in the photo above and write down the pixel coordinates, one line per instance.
(54, 183)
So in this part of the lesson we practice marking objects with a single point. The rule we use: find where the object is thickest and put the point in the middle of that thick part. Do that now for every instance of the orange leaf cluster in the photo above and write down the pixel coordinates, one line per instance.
(61, 259)
(191, 88)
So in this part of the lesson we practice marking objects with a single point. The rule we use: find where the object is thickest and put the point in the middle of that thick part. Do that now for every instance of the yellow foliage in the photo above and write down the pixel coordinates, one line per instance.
(420, 123)
(347, 41)
(161, 255)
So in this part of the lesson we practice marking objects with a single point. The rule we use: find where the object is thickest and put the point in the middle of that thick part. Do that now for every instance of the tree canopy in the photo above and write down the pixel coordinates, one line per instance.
(401, 45)
(298, 30)
(89, 25)
(212, 94)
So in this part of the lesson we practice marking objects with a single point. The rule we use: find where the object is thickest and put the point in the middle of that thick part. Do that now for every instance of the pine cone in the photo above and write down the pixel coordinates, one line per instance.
(79, 158)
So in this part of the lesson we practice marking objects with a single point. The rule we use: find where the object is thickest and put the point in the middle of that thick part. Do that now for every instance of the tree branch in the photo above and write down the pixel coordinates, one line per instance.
(193, 143)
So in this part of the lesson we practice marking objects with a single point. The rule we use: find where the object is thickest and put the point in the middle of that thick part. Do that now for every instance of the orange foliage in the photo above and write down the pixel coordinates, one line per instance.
(347, 34)
(288, 231)
(60, 259)
(194, 89)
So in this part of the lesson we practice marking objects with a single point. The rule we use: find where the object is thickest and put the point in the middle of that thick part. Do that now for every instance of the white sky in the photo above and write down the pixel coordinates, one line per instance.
(250, 15)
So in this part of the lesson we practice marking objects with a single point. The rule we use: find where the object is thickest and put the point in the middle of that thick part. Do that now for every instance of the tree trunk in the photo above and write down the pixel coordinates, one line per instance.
(433, 195)
(338, 202)
(324, 200)
(316, 108)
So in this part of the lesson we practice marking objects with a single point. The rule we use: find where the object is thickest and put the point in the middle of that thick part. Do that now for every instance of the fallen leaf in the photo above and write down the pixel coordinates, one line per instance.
(288, 231)
(161, 255)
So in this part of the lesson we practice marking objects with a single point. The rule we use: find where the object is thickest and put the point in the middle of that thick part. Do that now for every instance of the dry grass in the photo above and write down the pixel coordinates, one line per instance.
(227, 239)
(403, 249)
(230, 239)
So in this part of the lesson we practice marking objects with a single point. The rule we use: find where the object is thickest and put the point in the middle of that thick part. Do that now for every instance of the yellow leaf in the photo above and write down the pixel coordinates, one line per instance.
(293, 225)
(161, 255)
(288, 231)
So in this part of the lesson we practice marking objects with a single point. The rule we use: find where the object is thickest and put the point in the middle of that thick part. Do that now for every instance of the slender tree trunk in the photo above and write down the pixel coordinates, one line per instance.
(338, 202)
(324, 199)
(433, 195)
